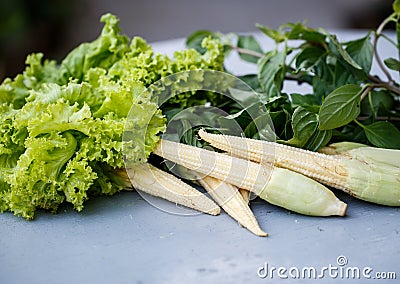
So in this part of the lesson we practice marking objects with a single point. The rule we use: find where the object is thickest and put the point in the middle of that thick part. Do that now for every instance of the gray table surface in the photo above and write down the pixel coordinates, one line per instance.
(123, 239)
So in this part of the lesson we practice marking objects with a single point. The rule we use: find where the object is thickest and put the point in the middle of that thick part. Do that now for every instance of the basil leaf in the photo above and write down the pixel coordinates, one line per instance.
(194, 40)
(321, 88)
(350, 132)
(281, 121)
(271, 71)
(361, 51)
(304, 100)
(304, 123)
(383, 134)
(250, 43)
(301, 31)
(338, 50)
(319, 139)
(309, 57)
(260, 128)
(273, 34)
(378, 103)
(342, 76)
(340, 107)
(279, 102)
(332, 75)
(252, 81)
(396, 6)
(392, 63)
(326, 77)
(246, 99)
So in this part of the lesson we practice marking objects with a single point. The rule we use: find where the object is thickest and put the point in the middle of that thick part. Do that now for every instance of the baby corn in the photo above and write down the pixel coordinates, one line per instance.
(278, 186)
(245, 194)
(230, 199)
(368, 173)
(156, 182)
(340, 148)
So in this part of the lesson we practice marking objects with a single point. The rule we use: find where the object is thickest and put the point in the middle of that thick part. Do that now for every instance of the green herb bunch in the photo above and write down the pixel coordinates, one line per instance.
(346, 101)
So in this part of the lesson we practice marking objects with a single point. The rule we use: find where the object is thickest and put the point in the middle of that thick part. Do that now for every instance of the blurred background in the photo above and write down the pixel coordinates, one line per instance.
(56, 26)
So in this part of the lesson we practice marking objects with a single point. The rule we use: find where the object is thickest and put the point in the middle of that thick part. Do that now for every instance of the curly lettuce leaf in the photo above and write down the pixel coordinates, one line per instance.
(107, 49)
(35, 74)
(66, 148)
(34, 180)
(62, 125)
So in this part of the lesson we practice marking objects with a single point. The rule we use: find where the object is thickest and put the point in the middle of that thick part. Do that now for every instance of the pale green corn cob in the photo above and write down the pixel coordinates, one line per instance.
(340, 147)
(368, 173)
(366, 154)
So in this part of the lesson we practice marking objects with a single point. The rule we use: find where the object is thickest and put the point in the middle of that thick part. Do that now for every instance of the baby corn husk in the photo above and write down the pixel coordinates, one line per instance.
(278, 186)
(340, 147)
(368, 173)
(229, 198)
(384, 170)
(364, 153)
(245, 194)
(153, 181)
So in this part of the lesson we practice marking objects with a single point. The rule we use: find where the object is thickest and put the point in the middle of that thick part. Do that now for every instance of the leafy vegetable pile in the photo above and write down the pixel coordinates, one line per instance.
(62, 124)
(347, 102)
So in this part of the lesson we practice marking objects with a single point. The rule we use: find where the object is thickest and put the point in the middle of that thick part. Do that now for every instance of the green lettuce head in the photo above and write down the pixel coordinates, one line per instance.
(62, 124)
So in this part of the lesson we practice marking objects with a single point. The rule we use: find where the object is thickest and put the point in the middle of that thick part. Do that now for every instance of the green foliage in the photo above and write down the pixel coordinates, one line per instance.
(347, 103)
(62, 124)
(340, 107)
(383, 134)
(304, 124)
(248, 42)
(392, 63)
(271, 71)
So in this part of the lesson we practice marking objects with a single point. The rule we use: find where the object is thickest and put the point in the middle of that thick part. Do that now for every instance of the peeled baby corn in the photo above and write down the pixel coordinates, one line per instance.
(245, 194)
(230, 199)
(156, 182)
(278, 186)
(368, 173)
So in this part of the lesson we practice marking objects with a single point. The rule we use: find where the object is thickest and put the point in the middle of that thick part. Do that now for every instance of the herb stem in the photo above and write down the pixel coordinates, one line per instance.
(359, 123)
(246, 51)
(387, 85)
(378, 33)
(366, 91)
(299, 77)
(379, 118)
